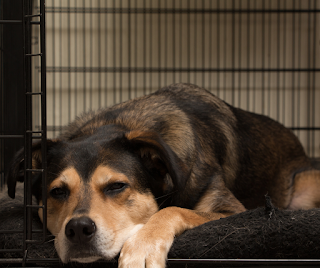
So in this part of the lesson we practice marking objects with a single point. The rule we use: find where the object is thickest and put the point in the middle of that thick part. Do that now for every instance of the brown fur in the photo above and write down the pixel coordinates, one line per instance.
(306, 190)
(132, 177)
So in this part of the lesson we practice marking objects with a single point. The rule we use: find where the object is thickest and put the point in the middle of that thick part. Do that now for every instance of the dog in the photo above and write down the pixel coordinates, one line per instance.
(130, 178)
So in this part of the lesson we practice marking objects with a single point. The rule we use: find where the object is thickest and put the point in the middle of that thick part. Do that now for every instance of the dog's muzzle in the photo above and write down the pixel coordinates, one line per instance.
(80, 230)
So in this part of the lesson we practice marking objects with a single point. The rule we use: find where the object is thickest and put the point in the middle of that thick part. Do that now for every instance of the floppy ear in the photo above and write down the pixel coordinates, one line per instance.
(158, 157)
(16, 170)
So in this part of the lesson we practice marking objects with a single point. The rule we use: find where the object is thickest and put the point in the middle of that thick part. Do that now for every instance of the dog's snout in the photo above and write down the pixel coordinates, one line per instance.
(80, 230)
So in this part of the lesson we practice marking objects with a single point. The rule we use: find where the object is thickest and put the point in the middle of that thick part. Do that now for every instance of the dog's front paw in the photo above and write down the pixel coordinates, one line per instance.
(143, 250)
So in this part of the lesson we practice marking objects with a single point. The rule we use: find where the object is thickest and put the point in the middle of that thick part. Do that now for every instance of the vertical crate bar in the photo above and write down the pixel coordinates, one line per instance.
(28, 124)
(43, 114)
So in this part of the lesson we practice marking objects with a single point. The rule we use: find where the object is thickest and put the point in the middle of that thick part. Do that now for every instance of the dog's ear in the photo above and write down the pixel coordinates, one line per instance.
(16, 169)
(158, 157)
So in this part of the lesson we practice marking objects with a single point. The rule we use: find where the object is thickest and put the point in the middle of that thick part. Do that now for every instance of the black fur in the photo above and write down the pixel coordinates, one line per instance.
(198, 140)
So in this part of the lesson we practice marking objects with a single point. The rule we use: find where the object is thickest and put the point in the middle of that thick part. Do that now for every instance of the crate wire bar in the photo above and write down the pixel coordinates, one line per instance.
(261, 56)
(30, 134)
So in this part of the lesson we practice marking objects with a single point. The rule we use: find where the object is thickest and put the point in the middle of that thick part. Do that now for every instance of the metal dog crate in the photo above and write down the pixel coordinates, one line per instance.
(259, 55)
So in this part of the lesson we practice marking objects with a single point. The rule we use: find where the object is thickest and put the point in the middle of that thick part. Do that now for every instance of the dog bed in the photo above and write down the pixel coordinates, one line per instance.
(262, 233)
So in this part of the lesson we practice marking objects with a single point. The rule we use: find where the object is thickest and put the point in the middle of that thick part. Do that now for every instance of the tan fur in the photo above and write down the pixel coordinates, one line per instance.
(104, 175)
(117, 217)
(58, 212)
(139, 211)
(151, 244)
(219, 200)
(306, 190)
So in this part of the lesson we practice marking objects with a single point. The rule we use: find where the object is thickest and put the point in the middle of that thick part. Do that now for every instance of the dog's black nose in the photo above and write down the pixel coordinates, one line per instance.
(80, 230)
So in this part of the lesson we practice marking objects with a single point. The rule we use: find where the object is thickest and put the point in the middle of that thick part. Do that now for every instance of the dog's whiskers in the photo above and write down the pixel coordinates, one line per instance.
(165, 195)
(54, 164)
(163, 202)
(49, 241)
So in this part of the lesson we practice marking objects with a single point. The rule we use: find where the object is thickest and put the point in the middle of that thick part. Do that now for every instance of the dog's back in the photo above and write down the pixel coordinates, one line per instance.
(254, 154)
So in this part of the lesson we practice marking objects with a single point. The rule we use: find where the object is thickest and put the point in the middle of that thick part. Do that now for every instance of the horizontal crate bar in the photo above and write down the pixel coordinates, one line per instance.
(21, 231)
(171, 11)
(44, 260)
(268, 262)
(59, 128)
(11, 136)
(35, 22)
(161, 70)
(11, 231)
(34, 206)
(233, 262)
(10, 21)
(33, 93)
(16, 260)
(34, 132)
(305, 128)
(32, 55)
(37, 231)
(34, 241)
(33, 16)
(216, 262)
(10, 250)
(35, 170)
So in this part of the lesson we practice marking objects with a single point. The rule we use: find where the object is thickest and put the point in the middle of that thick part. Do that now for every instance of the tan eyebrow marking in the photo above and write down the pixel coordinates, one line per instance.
(103, 174)
(70, 177)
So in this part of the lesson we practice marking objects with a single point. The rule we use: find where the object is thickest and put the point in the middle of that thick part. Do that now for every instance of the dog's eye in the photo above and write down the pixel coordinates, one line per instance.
(114, 188)
(59, 193)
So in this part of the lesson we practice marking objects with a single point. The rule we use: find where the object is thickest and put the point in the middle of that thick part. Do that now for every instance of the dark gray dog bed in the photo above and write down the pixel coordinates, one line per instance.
(261, 233)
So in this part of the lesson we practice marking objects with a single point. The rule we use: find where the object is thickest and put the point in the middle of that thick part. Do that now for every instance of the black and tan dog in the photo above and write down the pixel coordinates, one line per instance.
(132, 177)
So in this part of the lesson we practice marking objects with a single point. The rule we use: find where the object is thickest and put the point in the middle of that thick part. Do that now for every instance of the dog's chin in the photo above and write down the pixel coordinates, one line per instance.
(81, 256)
(88, 259)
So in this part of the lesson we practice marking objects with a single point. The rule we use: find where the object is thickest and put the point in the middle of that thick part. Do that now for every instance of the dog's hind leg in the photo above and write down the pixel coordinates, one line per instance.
(306, 190)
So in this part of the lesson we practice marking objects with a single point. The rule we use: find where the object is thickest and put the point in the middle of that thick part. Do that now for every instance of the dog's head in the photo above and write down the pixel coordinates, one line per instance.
(102, 188)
